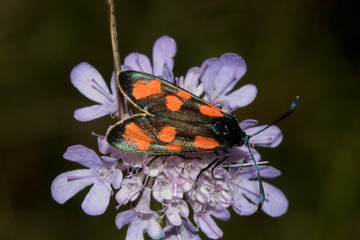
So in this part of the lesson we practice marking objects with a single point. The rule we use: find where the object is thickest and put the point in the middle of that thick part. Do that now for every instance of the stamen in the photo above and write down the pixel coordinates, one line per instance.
(102, 90)
(73, 178)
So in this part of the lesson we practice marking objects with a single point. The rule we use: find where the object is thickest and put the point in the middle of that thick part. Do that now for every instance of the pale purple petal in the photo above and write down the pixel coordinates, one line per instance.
(66, 185)
(124, 218)
(154, 229)
(271, 137)
(191, 81)
(242, 154)
(167, 74)
(90, 83)
(173, 216)
(275, 203)
(242, 206)
(265, 172)
(135, 230)
(220, 213)
(116, 178)
(113, 85)
(104, 148)
(250, 189)
(82, 155)
(164, 51)
(143, 205)
(90, 113)
(97, 200)
(138, 62)
(222, 74)
(248, 123)
(208, 226)
(241, 97)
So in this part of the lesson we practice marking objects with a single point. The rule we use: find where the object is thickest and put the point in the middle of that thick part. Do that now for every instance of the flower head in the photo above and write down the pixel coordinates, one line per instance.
(168, 190)
(102, 173)
(91, 84)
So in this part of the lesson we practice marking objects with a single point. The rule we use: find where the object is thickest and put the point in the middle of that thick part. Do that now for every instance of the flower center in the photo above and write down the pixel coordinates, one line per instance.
(104, 173)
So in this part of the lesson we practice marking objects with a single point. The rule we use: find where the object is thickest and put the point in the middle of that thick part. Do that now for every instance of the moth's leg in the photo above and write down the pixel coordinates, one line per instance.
(208, 166)
(220, 162)
(152, 160)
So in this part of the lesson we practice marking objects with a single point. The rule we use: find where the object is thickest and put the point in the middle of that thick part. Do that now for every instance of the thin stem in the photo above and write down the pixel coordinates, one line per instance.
(116, 52)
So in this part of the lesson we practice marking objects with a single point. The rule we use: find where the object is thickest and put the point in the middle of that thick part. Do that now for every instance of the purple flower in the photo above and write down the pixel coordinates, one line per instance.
(163, 52)
(101, 174)
(246, 192)
(185, 204)
(207, 223)
(141, 219)
(220, 76)
(91, 84)
(185, 231)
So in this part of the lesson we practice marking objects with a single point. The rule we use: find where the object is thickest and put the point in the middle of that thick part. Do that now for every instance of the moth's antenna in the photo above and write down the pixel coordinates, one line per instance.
(246, 142)
(262, 192)
(116, 52)
(292, 107)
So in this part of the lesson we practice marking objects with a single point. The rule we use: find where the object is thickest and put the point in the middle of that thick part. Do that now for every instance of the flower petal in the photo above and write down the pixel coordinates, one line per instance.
(265, 172)
(124, 218)
(90, 83)
(242, 206)
(220, 213)
(113, 85)
(138, 62)
(173, 216)
(90, 113)
(248, 123)
(97, 200)
(222, 74)
(275, 203)
(82, 155)
(66, 185)
(164, 51)
(154, 229)
(208, 226)
(191, 81)
(271, 137)
(241, 97)
(116, 178)
(242, 155)
(135, 230)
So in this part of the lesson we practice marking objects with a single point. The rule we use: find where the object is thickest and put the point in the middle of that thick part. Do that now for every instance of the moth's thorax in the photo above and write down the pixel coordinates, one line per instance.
(227, 128)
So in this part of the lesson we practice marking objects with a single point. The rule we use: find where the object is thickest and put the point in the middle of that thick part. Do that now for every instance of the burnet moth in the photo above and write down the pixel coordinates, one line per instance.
(174, 121)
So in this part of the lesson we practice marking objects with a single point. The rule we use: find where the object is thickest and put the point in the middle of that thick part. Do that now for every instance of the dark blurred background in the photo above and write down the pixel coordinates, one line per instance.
(308, 48)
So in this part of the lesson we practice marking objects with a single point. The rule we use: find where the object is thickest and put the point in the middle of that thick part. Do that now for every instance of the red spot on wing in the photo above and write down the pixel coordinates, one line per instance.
(211, 111)
(143, 89)
(173, 148)
(183, 94)
(135, 136)
(173, 103)
(205, 143)
(167, 134)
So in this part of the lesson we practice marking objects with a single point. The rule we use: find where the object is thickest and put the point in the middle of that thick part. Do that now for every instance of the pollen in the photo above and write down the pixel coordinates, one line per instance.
(143, 89)
(211, 111)
(205, 143)
(135, 136)
(167, 134)
(173, 103)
